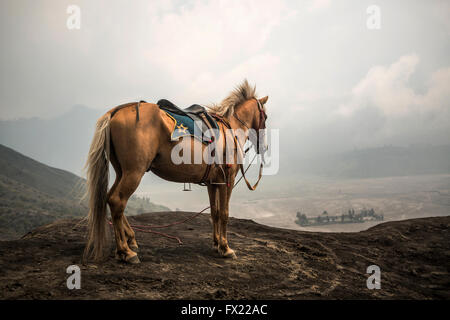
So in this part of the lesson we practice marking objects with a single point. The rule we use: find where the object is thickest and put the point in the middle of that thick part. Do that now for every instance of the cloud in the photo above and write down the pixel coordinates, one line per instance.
(441, 10)
(256, 68)
(317, 5)
(211, 36)
(387, 89)
(438, 95)
(315, 59)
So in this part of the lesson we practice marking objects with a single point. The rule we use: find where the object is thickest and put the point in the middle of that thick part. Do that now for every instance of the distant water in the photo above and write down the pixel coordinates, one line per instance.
(398, 198)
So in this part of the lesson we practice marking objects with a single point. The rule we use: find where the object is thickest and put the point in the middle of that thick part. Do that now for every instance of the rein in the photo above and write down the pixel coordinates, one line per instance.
(236, 141)
(261, 125)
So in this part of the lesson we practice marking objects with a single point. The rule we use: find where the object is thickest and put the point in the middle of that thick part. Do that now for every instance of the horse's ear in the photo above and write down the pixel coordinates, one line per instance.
(264, 100)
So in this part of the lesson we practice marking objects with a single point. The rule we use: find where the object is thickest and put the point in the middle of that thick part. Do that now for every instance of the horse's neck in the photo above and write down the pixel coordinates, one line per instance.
(246, 116)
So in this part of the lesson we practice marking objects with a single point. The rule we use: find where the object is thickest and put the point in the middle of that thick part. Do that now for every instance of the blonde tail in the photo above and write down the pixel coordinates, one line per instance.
(97, 166)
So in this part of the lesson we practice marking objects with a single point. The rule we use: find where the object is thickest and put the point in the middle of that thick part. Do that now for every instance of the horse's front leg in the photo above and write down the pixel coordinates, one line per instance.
(214, 204)
(224, 199)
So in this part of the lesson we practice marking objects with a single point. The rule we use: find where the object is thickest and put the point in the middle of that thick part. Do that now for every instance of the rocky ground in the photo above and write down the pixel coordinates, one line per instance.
(273, 263)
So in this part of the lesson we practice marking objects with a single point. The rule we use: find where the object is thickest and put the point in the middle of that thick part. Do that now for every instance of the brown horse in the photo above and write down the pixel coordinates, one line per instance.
(136, 143)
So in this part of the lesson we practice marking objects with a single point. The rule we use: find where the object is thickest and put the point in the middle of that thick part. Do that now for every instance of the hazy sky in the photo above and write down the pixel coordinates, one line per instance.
(333, 83)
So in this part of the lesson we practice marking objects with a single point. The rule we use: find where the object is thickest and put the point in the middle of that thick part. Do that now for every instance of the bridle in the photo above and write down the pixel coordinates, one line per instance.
(261, 125)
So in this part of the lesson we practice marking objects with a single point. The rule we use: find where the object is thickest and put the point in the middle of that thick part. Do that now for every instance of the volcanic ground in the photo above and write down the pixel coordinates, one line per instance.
(272, 263)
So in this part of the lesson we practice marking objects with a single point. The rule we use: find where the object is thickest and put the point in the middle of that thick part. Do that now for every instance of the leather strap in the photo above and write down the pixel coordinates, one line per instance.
(208, 167)
(137, 108)
(206, 175)
(250, 187)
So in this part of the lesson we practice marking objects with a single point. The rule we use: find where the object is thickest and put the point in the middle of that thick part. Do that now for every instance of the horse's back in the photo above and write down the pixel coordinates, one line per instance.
(136, 139)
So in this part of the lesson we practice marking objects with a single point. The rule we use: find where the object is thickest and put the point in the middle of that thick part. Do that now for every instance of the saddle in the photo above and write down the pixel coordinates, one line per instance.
(187, 121)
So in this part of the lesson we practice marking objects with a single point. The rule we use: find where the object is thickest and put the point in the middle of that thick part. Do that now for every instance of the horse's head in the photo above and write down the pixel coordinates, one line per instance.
(260, 125)
(252, 115)
(248, 113)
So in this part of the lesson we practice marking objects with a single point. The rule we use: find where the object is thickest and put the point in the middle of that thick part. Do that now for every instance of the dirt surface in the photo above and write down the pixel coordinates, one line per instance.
(272, 263)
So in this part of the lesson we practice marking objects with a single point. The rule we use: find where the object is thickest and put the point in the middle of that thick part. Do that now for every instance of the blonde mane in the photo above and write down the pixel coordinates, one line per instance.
(242, 93)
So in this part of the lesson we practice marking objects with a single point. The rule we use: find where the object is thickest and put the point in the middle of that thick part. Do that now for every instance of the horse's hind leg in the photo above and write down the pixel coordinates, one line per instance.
(128, 230)
(132, 243)
(117, 201)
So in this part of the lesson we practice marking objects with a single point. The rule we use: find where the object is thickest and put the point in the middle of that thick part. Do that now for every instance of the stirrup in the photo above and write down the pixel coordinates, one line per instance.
(187, 189)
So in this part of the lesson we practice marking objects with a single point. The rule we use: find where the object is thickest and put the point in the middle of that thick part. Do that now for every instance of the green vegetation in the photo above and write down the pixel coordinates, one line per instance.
(33, 194)
(137, 205)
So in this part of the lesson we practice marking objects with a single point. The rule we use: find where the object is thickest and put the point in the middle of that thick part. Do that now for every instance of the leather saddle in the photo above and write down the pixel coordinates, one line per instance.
(195, 112)
(169, 106)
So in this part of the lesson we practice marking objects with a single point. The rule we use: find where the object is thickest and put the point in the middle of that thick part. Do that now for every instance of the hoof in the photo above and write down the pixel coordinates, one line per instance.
(134, 248)
(215, 247)
(133, 260)
(231, 255)
(228, 254)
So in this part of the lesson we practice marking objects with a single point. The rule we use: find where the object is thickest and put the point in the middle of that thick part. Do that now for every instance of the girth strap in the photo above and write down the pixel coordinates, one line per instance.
(208, 167)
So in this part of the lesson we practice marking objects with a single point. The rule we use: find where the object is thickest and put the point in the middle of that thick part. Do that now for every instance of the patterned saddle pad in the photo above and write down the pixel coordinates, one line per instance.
(190, 122)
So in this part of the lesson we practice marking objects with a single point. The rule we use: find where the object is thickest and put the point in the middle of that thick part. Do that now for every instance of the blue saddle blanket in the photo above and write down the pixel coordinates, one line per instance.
(186, 126)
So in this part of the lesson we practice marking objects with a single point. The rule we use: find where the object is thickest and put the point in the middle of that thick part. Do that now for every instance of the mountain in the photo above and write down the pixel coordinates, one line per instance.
(62, 141)
(33, 194)
(384, 161)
